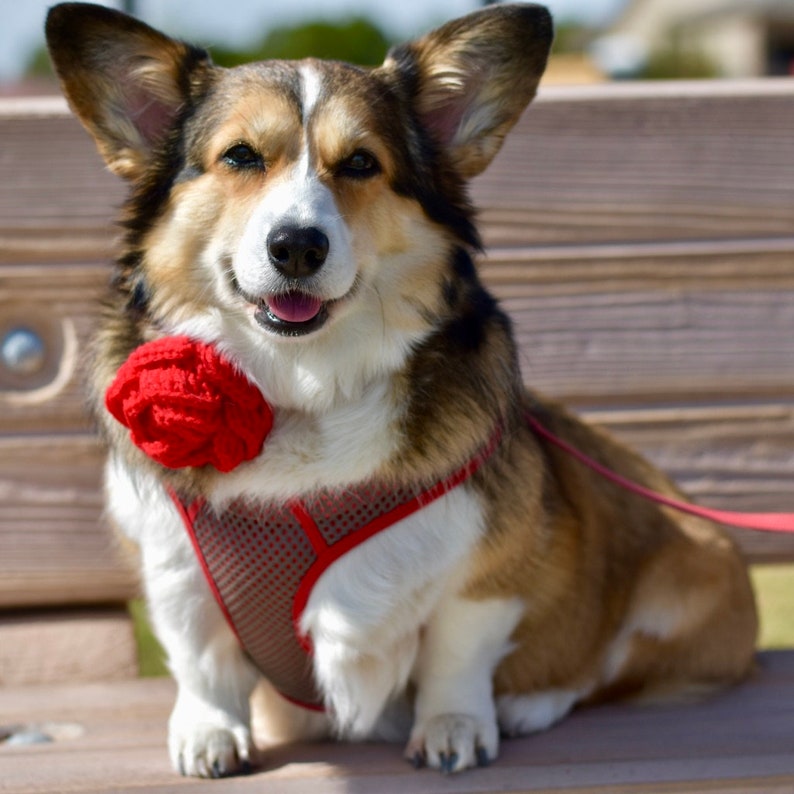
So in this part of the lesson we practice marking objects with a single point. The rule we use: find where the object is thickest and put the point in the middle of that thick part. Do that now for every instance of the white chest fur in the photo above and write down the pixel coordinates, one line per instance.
(366, 612)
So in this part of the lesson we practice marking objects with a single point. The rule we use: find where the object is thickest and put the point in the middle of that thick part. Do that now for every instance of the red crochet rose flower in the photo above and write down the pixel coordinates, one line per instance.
(186, 405)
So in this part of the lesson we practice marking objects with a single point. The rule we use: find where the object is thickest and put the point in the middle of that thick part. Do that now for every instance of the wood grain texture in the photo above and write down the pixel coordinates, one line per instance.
(606, 324)
(732, 456)
(639, 322)
(606, 163)
(57, 201)
(646, 162)
(737, 742)
(66, 647)
(54, 547)
(641, 238)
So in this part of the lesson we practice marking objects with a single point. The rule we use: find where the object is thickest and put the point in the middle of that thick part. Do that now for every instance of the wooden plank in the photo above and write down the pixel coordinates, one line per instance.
(652, 161)
(645, 162)
(739, 742)
(676, 322)
(53, 547)
(61, 306)
(57, 201)
(69, 646)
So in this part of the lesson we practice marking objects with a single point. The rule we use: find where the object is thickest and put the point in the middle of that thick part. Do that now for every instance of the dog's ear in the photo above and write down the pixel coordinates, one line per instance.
(471, 79)
(125, 81)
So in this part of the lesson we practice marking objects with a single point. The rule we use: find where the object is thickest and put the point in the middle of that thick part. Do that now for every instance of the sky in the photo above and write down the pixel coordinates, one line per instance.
(241, 22)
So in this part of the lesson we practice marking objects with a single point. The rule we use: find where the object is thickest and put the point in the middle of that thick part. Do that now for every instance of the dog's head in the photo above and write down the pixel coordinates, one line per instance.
(277, 201)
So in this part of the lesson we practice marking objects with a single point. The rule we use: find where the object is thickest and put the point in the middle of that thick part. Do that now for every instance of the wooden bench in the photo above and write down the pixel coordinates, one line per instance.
(642, 238)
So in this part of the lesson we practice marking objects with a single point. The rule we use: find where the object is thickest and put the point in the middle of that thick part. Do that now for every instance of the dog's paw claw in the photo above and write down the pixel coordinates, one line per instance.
(447, 763)
(417, 760)
(213, 753)
(207, 741)
(453, 742)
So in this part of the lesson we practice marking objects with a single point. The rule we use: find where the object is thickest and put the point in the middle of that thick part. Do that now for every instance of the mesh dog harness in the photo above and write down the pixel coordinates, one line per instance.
(261, 561)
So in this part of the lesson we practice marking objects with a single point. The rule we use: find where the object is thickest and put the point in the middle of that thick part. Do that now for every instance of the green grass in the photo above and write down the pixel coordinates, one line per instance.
(774, 587)
(151, 659)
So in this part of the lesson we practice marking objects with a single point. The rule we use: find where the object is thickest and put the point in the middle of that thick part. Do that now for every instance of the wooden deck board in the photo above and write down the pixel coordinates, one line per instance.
(740, 741)
(66, 646)
(605, 163)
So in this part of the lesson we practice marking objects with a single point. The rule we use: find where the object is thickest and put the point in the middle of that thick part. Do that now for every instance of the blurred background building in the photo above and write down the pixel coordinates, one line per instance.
(698, 38)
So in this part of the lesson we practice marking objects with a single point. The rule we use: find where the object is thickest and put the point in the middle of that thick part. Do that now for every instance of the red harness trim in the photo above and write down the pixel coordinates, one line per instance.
(325, 553)
(328, 555)
(188, 515)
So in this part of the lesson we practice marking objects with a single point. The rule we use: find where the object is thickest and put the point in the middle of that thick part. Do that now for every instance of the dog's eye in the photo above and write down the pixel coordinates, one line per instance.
(360, 165)
(241, 155)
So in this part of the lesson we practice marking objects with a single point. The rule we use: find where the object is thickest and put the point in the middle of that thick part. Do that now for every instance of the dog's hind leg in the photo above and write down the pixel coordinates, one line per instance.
(522, 714)
(691, 629)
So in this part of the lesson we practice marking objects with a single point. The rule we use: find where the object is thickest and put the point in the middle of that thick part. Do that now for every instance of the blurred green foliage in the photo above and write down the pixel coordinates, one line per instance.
(774, 586)
(678, 61)
(39, 64)
(570, 37)
(675, 64)
(356, 40)
(151, 657)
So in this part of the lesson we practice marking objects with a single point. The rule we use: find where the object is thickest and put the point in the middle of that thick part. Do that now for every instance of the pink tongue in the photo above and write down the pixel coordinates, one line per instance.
(294, 307)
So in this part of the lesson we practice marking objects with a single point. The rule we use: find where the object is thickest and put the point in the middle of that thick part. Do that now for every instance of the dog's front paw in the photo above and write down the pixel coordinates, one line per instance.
(453, 742)
(204, 741)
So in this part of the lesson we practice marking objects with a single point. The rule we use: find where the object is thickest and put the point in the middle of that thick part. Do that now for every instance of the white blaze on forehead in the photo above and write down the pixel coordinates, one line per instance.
(311, 89)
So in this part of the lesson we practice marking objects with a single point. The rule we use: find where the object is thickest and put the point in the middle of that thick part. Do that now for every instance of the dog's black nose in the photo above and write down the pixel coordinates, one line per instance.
(297, 252)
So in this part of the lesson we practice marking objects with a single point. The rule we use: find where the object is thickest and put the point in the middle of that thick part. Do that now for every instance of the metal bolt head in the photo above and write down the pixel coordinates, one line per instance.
(22, 351)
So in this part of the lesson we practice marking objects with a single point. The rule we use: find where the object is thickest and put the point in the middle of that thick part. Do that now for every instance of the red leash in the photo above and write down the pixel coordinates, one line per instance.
(768, 522)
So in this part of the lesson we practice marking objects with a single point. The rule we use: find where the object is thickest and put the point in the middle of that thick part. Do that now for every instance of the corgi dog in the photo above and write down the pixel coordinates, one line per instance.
(458, 576)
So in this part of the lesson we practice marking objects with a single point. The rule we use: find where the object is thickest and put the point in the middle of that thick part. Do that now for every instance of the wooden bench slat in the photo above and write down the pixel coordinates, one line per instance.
(53, 547)
(653, 162)
(649, 162)
(663, 321)
(66, 646)
(55, 188)
(625, 749)
(732, 457)
(599, 323)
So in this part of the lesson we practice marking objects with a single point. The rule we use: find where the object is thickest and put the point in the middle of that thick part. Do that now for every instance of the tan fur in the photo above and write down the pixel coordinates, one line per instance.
(602, 558)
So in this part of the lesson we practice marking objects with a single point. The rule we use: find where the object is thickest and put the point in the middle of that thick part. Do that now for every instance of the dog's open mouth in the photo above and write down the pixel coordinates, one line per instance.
(291, 313)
